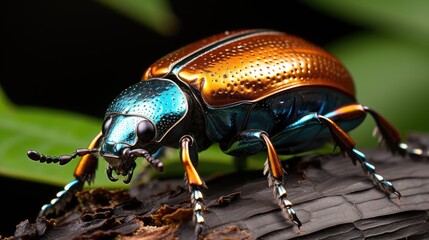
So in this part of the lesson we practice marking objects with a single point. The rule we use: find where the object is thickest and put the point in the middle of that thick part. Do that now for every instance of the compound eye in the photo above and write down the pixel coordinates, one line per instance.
(145, 131)
(106, 125)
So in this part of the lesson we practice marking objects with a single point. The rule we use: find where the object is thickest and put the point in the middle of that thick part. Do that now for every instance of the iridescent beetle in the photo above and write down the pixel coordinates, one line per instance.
(247, 90)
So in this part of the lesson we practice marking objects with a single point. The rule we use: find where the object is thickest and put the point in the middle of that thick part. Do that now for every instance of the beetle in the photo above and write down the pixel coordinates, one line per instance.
(248, 90)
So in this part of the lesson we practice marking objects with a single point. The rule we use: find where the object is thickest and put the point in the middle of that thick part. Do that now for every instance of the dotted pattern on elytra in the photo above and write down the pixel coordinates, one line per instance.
(256, 67)
(160, 101)
(165, 64)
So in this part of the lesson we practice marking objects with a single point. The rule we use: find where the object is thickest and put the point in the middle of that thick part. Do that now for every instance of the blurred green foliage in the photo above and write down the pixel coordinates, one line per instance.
(389, 63)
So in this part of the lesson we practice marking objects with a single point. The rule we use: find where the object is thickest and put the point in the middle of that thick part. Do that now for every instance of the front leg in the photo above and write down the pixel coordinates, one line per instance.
(84, 172)
(252, 141)
(63, 198)
(189, 158)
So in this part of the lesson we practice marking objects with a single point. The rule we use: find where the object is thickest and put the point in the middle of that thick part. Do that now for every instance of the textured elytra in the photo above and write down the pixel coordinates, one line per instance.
(253, 66)
(166, 63)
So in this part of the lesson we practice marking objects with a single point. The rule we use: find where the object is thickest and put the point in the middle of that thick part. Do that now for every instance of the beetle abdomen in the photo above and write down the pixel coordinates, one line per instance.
(275, 113)
(249, 65)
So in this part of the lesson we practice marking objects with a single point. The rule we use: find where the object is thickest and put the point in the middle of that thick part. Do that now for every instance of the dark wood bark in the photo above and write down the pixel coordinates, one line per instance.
(332, 197)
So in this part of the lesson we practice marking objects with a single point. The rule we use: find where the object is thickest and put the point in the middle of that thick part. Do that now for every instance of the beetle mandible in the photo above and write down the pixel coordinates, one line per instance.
(248, 90)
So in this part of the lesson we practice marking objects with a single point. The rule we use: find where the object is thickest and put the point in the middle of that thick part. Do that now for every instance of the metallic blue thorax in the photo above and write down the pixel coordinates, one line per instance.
(160, 101)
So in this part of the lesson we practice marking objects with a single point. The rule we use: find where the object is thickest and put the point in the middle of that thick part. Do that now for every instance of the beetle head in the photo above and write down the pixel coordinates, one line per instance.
(137, 121)
(122, 134)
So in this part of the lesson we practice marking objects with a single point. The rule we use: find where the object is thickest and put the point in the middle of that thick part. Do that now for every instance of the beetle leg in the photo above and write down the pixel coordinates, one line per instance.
(275, 173)
(59, 203)
(347, 145)
(84, 172)
(252, 141)
(189, 159)
(391, 137)
(388, 135)
(246, 143)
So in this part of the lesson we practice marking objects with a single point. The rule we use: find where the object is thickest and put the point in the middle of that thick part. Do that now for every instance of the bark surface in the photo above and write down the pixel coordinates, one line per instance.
(332, 198)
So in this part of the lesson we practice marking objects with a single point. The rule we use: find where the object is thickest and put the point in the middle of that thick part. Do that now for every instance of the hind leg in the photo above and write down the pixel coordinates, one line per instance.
(313, 126)
(300, 135)
(347, 145)
(348, 117)
(388, 135)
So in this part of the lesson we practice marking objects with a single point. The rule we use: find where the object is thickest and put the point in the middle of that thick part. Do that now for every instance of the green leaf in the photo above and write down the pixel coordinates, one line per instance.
(155, 14)
(48, 131)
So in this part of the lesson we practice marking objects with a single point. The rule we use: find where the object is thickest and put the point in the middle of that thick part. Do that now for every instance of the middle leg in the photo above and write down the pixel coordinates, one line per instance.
(250, 142)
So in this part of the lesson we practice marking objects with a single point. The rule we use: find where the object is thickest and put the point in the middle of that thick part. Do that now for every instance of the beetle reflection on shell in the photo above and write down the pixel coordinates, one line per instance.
(247, 90)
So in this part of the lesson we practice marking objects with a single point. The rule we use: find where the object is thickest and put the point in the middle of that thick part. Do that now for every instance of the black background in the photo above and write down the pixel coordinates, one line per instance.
(78, 55)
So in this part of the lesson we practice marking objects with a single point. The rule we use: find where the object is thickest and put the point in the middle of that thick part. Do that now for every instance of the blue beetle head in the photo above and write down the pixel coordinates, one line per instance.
(138, 120)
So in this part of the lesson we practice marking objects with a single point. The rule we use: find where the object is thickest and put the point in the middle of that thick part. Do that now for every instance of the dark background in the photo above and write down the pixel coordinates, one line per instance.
(78, 55)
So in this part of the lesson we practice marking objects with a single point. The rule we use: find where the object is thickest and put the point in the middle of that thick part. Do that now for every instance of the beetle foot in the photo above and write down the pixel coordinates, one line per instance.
(369, 170)
(198, 208)
(386, 186)
(63, 198)
(281, 194)
(285, 204)
(419, 154)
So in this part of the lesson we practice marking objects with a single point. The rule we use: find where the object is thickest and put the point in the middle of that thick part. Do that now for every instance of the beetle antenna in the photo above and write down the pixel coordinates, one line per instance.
(63, 159)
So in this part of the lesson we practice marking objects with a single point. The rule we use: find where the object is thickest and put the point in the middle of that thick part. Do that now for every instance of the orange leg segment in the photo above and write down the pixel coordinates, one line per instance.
(85, 170)
(389, 135)
(275, 172)
(275, 164)
(189, 157)
(191, 172)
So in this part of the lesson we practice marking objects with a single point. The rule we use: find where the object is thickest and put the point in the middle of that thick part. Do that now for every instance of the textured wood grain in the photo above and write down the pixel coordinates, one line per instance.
(332, 197)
